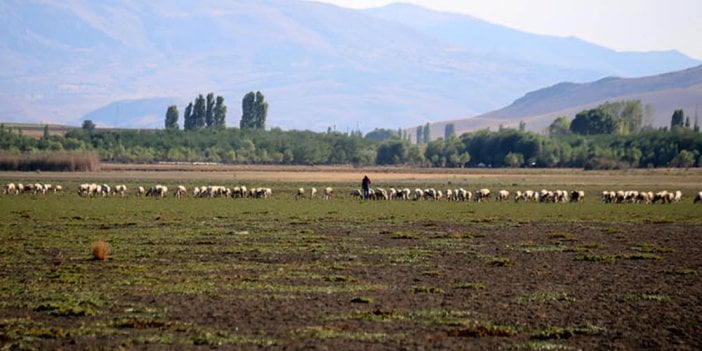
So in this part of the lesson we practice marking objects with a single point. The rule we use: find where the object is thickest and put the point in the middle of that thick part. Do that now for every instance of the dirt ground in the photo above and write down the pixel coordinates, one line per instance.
(438, 286)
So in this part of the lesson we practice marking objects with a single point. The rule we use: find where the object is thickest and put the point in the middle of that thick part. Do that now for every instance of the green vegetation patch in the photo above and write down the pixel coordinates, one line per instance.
(470, 286)
(404, 235)
(68, 309)
(647, 297)
(492, 261)
(567, 332)
(539, 346)
(480, 330)
(329, 332)
(614, 258)
(651, 248)
(546, 297)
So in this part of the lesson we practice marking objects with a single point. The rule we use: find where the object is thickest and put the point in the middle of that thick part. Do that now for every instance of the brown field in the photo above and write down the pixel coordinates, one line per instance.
(668, 178)
(346, 274)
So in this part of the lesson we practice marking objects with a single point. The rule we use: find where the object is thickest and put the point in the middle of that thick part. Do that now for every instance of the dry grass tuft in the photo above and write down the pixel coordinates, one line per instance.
(100, 250)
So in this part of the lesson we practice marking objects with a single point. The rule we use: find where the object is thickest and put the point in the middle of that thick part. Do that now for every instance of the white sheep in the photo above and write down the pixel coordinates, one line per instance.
(10, 188)
(482, 194)
(698, 198)
(577, 196)
(677, 197)
(140, 191)
(58, 188)
(300, 193)
(180, 191)
(418, 194)
(313, 193)
(502, 195)
(356, 193)
(120, 189)
(327, 193)
(406, 193)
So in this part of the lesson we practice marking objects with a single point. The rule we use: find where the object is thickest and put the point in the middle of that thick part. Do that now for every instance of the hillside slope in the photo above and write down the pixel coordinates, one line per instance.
(663, 94)
(121, 62)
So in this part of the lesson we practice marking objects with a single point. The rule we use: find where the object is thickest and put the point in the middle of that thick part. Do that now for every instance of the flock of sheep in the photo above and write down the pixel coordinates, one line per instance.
(460, 194)
(36, 188)
(479, 195)
(645, 197)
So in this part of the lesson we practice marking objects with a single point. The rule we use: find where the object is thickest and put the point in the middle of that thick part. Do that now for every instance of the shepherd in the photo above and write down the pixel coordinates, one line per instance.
(365, 185)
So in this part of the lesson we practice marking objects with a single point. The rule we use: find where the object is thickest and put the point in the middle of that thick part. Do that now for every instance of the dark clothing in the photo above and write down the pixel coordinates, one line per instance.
(365, 184)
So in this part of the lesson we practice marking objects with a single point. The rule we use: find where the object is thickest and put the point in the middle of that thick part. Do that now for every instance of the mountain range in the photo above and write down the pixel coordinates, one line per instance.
(122, 62)
(660, 95)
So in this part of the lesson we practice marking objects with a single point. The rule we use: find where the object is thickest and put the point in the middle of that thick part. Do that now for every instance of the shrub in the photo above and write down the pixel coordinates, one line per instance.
(100, 250)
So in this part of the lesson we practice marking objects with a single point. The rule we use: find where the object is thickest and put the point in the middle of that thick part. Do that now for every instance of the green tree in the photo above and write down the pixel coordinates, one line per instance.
(88, 125)
(420, 135)
(678, 119)
(172, 117)
(248, 111)
(220, 113)
(514, 160)
(449, 131)
(188, 122)
(522, 126)
(209, 111)
(559, 127)
(393, 152)
(594, 121)
(261, 111)
(380, 134)
(254, 111)
(45, 136)
(199, 112)
(427, 134)
(685, 159)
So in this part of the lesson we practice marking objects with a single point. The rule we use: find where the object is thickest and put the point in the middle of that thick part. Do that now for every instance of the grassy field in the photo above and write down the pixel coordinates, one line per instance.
(349, 274)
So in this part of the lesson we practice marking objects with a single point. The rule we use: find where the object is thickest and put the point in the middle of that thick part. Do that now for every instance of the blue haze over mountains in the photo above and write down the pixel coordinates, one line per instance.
(121, 63)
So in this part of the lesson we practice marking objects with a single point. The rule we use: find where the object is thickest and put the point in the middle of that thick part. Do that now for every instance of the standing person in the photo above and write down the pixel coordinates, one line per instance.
(365, 185)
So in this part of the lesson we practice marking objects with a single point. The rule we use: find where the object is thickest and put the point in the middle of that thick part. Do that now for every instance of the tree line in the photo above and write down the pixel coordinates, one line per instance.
(611, 136)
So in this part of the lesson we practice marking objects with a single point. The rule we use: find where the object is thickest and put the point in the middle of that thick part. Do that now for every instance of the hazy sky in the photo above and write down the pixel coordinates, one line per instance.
(623, 25)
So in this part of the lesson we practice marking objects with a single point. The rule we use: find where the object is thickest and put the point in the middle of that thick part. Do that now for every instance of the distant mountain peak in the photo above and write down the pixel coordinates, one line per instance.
(319, 65)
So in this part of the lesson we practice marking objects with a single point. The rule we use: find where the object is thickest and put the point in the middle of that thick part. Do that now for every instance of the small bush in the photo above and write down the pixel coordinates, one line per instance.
(100, 250)
(473, 286)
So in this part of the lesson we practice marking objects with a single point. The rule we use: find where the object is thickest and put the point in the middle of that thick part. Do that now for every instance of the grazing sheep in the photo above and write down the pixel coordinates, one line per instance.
(313, 193)
(677, 197)
(418, 193)
(157, 190)
(140, 191)
(577, 196)
(180, 191)
(58, 189)
(449, 195)
(10, 188)
(482, 195)
(327, 193)
(120, 189)
(502, 195)
(356, 193)
(698, 198)
(406, 193)
(300, 193)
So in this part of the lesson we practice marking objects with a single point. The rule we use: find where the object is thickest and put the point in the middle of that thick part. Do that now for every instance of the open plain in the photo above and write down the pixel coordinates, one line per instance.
(347, 274)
